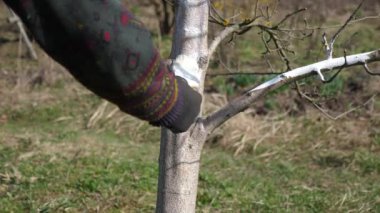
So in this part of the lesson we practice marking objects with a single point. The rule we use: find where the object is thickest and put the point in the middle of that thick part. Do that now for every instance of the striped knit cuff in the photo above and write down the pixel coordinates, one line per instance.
(185, 110)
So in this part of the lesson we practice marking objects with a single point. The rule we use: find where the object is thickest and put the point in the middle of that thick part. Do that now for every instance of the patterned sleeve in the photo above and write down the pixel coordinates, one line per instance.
(111, 53)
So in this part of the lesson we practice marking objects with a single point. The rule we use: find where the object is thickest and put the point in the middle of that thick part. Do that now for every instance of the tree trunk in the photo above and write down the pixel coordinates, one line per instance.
(180, 153)
(179, 161)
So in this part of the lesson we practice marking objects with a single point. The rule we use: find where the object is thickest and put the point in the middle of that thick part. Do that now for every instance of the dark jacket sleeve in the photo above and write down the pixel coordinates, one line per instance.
(111, 53)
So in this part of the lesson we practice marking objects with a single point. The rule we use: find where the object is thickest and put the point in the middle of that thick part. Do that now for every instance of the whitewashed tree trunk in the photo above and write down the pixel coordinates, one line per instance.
(180, 153)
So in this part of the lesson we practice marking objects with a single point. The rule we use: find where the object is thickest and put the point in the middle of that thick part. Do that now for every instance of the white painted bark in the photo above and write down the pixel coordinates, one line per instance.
(329, 64)
(180, 153)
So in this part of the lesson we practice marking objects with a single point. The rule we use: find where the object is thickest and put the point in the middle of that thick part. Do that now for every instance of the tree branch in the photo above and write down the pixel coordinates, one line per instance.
(329, 47)
(15, 19)
(289, 16)
(246, 25)
(331, 26)
(243, 102)
(221, 36)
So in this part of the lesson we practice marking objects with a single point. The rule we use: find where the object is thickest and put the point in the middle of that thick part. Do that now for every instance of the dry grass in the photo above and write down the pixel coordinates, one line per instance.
(247, 132)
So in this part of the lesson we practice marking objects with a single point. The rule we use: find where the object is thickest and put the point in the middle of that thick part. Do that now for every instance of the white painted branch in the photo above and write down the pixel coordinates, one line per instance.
(243, 102)
(321, 66)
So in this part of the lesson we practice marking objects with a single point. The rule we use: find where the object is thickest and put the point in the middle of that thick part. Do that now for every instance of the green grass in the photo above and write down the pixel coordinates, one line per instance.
(286, 185)
(76, 170)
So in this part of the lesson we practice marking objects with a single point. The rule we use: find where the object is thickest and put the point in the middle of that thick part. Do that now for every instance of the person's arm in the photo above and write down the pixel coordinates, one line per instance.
(111, 53)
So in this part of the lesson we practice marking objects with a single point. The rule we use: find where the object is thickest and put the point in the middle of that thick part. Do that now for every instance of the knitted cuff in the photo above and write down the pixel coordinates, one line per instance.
(185, 110)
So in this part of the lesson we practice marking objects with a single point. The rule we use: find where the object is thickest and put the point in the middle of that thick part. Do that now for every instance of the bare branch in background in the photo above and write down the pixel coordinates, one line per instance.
(325, 113)
(254, 22)
(243, 73)
(288, 16)
(238, 72)
(330, 46)
(15, 19)
(366, 68)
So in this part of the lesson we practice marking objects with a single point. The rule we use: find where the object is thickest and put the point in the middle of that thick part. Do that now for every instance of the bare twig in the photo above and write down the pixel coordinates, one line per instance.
(246, 25)
(238, 72)
(352, 16)
(366, 68)
(242, 73)
(15, 19)
(289, 16)
(330, 46)
(325, 113)
(306, 28)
